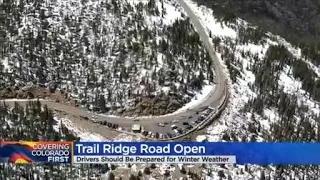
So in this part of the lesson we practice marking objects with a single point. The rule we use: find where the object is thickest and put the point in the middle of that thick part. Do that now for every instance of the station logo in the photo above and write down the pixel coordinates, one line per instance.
(25, 152)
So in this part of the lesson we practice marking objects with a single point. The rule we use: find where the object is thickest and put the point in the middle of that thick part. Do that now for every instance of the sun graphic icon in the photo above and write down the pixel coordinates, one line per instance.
(21, 161)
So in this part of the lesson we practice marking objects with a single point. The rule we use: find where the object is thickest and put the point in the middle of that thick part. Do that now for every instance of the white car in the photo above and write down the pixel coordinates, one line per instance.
(161, 124)
(175, 121)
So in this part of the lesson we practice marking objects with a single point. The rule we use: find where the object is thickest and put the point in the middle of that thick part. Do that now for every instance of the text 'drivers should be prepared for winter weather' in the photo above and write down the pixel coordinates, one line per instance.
(155, 159)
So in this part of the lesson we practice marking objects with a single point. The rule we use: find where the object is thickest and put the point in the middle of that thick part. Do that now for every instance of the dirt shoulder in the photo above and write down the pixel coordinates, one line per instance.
(34, 92)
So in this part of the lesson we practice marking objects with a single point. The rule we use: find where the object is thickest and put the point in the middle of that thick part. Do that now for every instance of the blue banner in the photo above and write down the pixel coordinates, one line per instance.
(246, 153)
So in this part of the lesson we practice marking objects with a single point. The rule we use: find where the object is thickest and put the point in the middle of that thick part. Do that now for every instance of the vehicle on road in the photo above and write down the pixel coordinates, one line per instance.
(189, 117)
(199, 121)
(136, 128)
(153, 135)
(135, 120)
(161, 124)
(185, 123)
(175, 121)
(174, 127)
(205, 112)
(145, 133)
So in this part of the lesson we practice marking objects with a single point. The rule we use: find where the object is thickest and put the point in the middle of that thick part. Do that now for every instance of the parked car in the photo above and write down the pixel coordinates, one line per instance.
(205, 112)
(189, 117)
(174, 127)
(153, 135)
(185, 123)
(145, 133)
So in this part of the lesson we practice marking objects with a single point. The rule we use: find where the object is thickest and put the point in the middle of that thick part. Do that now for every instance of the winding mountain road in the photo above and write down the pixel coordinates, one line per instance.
(214, 99)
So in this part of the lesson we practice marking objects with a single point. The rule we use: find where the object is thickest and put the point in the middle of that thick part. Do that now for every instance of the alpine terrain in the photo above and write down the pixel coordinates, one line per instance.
(211, 69)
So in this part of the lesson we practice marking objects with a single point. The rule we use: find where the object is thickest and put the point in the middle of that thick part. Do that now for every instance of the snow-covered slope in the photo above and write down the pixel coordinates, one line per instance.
(266, 85)
(110, 55)
(246, 50)
(129, 49)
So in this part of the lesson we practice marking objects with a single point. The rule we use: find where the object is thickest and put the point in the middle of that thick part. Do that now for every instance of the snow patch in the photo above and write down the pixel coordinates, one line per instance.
(5, 63)
(197, 99)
